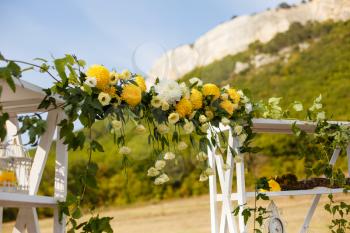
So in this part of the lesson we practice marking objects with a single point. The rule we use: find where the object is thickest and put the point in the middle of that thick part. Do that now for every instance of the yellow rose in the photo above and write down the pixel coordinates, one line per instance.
(184, 107)
(235, 97)
(274, 186)
(131, 94)
(196, 99)
(228, 106)
(101, 74)
(141, 83)
(173, 118)
(210, 89)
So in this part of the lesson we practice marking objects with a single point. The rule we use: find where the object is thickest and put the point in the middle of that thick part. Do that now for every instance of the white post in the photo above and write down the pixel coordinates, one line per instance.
(213, 190)
(241, 193)
(317, 198)
(348, 154)
(61, 175)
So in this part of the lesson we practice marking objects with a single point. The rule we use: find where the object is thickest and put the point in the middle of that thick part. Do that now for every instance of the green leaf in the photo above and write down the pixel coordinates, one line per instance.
(3, 118)
(60, 65)
(96, 146)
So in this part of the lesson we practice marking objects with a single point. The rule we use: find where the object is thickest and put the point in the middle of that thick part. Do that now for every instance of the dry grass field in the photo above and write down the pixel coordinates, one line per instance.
(192, 216)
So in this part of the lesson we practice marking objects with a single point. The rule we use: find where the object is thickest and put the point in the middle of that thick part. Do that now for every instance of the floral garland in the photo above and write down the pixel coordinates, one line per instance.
(172, 113)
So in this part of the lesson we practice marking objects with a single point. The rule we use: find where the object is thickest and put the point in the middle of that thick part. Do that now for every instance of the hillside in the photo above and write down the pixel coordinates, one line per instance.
(235, 35)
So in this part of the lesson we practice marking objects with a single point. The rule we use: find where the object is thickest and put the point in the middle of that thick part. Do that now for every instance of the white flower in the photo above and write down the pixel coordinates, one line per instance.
(184, 89)
(188, 127)
(201, 156)
(248, 108)
(209, 114)
(126, 74)
(173, 118)
(160, 164)
(169, 156)
(104, 98)
(196, 81)
(244, 99)
(202, 119)
(321, 116)
(152, 172)
(205, 127)
(140, 129)
(163, 128)
(156, 102)
(224, 96)
(163, 178)
(238, 129)
(241, 139)
(165, 106)
(117, 124)
(203, 177)
(124, 150)
(225, 121)
(113, 78)
(182, 145)
(298, 106)
(169, 91)
(209, 171)
(91, 81)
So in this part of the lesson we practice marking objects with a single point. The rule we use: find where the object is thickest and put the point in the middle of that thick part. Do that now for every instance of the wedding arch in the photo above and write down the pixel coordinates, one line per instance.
(173, 114)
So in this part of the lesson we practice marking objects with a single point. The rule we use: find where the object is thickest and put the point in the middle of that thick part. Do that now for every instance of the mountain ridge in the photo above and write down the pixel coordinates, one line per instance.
(235, 35)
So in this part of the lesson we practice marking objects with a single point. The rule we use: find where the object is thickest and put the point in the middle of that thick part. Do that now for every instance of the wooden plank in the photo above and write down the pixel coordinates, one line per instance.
(25, 200)
(241, 193)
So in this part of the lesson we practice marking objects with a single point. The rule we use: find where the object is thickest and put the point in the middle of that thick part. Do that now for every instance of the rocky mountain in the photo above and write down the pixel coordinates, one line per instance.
(237, 34)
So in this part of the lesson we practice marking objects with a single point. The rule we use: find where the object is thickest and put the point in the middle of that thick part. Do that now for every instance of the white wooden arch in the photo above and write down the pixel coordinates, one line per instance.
(224, 221)
(26, 99)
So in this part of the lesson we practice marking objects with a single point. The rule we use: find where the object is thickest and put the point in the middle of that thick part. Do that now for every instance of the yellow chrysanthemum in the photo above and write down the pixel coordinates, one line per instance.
(196, 99)
(131, 94)
(234, 95)
(210, 89)
(274, 186)
(141, 83)
(110, 90)
(101, 74)
(184, 107)
(228, 106)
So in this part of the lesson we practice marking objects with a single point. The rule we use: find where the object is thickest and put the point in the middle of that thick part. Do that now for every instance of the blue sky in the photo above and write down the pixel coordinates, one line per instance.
(119, 34)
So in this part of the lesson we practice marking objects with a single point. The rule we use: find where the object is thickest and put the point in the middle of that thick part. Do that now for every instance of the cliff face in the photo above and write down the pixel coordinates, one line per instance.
(235, 35)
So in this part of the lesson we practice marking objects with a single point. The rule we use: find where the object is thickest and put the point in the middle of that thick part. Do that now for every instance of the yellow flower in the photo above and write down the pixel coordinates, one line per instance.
(110, 90)
(131, 94)
(274, 186)
(228, 106)
(210, 89)
(126, 74)
(141, 83)
(104, 98)
(101, 74)
(173, 118)
(234, 95)
(196, 99)
(7, 176)
(184, 107)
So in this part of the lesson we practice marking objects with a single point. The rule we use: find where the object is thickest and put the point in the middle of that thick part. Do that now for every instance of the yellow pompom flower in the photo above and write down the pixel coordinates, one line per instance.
(234, 95)
(110, 90)
(184, 107)
(196, 99)
(210, 89)
(228, 106)
(141, 83)
(131, 94)
(274, 186)
(101, 74)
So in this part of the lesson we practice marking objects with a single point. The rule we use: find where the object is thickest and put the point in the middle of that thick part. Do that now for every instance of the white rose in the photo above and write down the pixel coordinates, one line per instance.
(117, 124)
(163, 128)
(201, 156)
(113, 78)
(104, 98)
(152, 172)
(209, 114)
(160, 164)
(242, 138)
(156, 102)
(124, 150)
(140, 129)
(165, 106)
(188, 127)
(196, 81)
(205, 127)
(248, 108)
(126, 74)
(321, 116)
(169, 156)
(91, 81)
(182, 145)
(225, 121)
(173, 118)
(163, 178)
(238, 129)
(202, 119)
